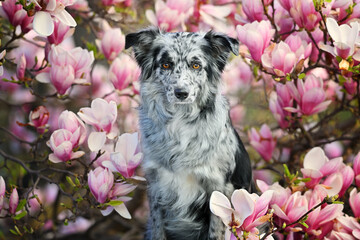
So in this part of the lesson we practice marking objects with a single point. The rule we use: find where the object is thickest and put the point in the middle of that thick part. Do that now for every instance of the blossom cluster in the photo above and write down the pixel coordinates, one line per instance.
(69, 147)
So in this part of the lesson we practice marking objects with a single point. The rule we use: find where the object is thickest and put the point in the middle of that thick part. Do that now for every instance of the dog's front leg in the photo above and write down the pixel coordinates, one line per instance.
(155, 228)
(216, 229)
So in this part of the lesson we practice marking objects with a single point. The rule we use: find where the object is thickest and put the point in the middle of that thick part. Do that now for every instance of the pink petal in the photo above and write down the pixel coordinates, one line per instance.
(243, 204)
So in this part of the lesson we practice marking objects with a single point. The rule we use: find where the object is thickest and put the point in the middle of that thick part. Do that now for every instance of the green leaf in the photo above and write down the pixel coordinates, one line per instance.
(14, 232)
(304, 224)
(70, 181)
(115, 203)
(20, 215)
(91, 47)
(77, 182)
(66, 222)
(342, 80)
(302, 75)
(21, 205)
(286, 170)
(338, 59)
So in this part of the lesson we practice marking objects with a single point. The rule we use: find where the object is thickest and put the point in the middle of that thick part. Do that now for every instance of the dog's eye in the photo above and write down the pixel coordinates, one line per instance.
(165, 65)
(196, 66)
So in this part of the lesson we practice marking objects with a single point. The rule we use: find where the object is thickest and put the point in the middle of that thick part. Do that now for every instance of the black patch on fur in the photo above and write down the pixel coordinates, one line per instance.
(242, 176)
(142, 43)
(219, 48)
(209, 107)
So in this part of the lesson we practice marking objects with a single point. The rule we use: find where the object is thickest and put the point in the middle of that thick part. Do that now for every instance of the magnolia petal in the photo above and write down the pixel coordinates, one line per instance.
(331, 166)
(96, 141)
(65, 17)
(328, 48)
(123, 211)
(329, 213)
(43, 23)
(263, 186)
(107, 211)
(220, 206)
(243, 204)
(109, 165)
(333, 29)
(43, 77)
(77, 154)
(54, 158)
(138, 178)
(315, 159)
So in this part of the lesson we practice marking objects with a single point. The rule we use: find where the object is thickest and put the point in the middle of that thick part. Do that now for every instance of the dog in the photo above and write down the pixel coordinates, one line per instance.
(190, 146)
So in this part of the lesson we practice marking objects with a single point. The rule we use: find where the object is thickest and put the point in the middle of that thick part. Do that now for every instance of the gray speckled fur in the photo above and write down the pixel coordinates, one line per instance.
(190, 146)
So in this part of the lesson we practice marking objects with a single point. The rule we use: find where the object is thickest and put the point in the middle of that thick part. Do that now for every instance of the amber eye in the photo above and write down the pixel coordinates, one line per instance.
(165, 65)
(196, 66)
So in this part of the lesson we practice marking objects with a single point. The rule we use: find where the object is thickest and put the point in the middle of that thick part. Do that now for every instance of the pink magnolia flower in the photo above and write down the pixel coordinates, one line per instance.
(69, 121)
(317, 166)
(280, 194)
(263, 141)
(345, 37)
(43, 23)
(170, 15)
(354, 201)
(279, 58)
(278, 101)
(345, 227)
(123, 71)
(38, 118)
(303, 12)
(21, 68)
(321, 216)
(247, 214)
(261, 31)
(101, 115)
(100, 181)
(75, 65)
(2, 192)
(118, 193)
(112, 43)
(61, 32)
(253, 9)
(309, 95)
(356, 167)
(297, 205)
(300, 47)
(16, 15)
(62, 143)
(126, 157)
(13, 201)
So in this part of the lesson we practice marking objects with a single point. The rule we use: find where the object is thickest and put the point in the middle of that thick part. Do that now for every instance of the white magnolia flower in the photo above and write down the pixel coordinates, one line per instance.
(43, 23)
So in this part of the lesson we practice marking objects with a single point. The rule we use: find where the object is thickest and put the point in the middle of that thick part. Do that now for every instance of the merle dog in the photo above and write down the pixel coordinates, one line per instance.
(190, 146)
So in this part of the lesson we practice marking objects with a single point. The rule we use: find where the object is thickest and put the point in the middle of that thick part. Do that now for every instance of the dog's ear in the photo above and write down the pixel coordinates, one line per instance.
(222, 43)
(142, 38)
(142, 42)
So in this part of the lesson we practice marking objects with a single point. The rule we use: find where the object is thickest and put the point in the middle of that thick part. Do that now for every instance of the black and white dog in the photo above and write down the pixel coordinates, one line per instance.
(189, 144)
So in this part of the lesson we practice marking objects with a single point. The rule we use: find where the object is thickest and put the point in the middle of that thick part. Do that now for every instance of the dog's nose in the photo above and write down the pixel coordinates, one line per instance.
(181, 94)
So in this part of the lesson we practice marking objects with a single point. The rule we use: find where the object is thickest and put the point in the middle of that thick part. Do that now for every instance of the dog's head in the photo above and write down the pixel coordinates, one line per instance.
(183, 64)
